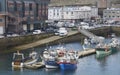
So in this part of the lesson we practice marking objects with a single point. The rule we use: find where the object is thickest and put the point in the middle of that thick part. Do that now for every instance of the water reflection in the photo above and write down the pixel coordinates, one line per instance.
(17, 69)
(67, 72)
(102, 63)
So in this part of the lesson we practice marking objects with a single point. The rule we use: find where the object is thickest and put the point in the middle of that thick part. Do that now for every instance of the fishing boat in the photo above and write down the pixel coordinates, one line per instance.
(20, 61)
(60, 51)
(68, 62)
(49, 58)
(115, 44)
(104, 50)
(87, 44)
(51, 63)
(36, 65)
(107, 49)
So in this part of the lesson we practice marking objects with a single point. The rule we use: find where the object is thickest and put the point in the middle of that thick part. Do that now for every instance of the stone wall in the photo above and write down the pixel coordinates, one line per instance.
(105, 32)
(12, 42)
(9, 42)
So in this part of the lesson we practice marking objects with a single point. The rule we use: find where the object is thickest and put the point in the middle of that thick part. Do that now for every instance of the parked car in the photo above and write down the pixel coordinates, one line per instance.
(12, 34)
(1, 36)
(37, 31)
(49, 30)
(62, 31)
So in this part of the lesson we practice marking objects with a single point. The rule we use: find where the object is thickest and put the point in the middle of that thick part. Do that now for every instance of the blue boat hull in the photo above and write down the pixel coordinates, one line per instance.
(68, 66)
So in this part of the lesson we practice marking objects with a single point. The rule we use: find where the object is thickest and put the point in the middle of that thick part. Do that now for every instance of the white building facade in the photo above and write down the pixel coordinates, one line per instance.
(111, 14)
(72, 12)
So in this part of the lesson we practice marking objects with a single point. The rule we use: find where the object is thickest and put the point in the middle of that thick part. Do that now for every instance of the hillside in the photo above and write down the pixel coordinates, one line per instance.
(98, 3)
(72, 2)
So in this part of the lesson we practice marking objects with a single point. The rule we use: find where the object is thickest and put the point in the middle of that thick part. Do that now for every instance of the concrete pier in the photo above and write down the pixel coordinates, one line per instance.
(86, 53)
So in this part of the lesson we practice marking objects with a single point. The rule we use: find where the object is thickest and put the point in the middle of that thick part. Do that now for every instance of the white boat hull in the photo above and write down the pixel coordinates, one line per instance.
(21, 61)
(49, 66)
(22, 64)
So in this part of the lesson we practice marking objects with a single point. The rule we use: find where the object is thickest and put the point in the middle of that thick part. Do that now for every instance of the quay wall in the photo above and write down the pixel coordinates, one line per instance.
(104, 31)
(8, 43)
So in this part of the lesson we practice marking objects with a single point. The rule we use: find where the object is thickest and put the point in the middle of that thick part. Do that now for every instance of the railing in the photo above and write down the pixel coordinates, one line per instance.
(90, 35)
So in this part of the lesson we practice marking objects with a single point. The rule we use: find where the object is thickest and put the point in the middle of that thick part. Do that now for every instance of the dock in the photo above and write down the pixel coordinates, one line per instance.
(40, 65)
(86, 52)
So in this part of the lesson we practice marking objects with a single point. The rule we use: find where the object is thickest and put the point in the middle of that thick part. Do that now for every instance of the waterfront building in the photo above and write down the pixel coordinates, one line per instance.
(100, 4)
(111, 14)
(18, 16)
(72, 12)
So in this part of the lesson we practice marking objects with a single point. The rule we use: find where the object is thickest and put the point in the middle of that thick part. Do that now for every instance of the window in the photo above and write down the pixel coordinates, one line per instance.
(15, 7)
(67, 12)
(37, 9)
(54, 13)
(11, 6)
(72, 13)
(1, 20)
(26, 7)
(30, 6)
(113, 12)
(57, 13)
(23, 9)
(104, 16)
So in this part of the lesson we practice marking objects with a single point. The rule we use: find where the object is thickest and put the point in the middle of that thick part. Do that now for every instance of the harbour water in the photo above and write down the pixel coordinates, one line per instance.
(89, 65)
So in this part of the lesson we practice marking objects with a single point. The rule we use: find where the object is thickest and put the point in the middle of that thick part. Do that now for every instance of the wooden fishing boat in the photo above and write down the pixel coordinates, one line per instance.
(37, 65)
(20, 61)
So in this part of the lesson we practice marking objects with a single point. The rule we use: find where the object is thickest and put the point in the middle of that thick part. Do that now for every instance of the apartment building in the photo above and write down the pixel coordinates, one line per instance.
(111, 14)
(72, 12)
(18, 16)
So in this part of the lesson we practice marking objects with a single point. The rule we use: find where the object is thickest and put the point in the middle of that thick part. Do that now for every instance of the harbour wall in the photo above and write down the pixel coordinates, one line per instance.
(103, 31)
(8, 43)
